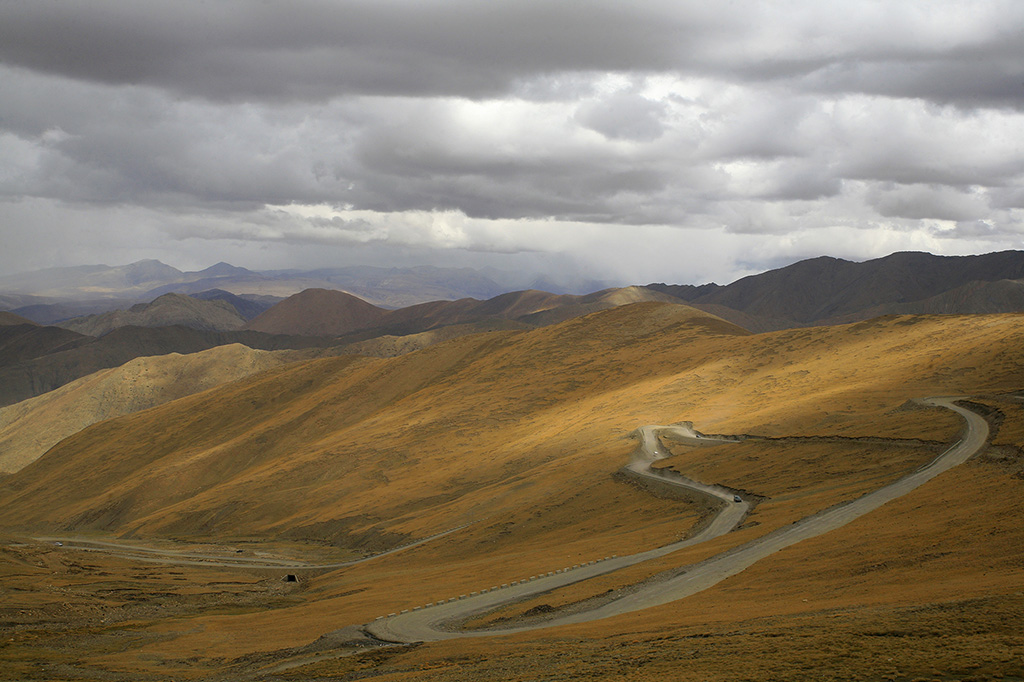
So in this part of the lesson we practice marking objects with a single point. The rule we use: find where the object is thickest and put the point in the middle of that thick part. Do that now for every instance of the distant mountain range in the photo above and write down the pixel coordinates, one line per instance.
(322, 312)
(35, 359)
(59, 294)
(819, 291)
(826, 290)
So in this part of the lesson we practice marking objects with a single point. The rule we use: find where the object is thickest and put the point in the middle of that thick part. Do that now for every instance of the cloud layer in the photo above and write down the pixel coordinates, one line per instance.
(758, 131)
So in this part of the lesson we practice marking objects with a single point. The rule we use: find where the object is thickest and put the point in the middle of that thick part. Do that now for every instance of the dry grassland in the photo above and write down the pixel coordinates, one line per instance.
(519, 434)
(31, 427)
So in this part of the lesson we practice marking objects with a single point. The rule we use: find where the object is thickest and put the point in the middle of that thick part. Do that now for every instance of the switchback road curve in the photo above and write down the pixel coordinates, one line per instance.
(439, 621)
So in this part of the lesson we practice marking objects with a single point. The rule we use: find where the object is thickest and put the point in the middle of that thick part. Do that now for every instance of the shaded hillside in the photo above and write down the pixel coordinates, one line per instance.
(165, 311)
(23, 342)
(826, 289)
(15, 301)
(248, 307)
(51, 313)
(754, 323)
(687, 292)
(76, 356)
(976, 297)
(7, 319)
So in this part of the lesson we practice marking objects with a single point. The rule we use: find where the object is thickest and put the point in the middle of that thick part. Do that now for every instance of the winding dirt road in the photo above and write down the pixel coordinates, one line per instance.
(438, 621)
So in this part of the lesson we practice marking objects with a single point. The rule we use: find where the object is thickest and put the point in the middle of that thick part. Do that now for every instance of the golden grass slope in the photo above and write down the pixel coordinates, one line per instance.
(389, 346)
(31, 427)
(306, 449)
(341, 449)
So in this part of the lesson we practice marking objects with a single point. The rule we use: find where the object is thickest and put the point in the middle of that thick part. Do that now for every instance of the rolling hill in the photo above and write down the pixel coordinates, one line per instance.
(22, 342)
(31, 427)
(165, 311)
(41, 359)
(90, 281)
(322, 312)
(248, 306)
(519, 433)
(317, 312)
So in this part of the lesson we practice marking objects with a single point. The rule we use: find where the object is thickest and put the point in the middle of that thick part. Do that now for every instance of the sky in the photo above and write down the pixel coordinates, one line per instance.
(649, 141)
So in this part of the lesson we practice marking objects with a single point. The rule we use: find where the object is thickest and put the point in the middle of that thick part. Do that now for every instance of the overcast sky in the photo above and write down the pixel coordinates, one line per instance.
(645, 141)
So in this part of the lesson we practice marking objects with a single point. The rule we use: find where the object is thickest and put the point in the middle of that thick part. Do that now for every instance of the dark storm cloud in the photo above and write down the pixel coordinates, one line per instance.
(978, 81)
(316, 50)
(924, 201)
(117, 144)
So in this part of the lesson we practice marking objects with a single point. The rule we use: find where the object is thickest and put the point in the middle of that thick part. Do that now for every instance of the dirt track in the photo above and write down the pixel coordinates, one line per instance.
(187, 558)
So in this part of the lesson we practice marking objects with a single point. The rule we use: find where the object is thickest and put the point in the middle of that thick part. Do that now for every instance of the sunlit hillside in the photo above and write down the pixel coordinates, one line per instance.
(404, 443)
(29, 428)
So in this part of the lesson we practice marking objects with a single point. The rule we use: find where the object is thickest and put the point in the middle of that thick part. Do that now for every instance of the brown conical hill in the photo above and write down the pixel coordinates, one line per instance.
(31, 427)
(627, 295)
(317, 312)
